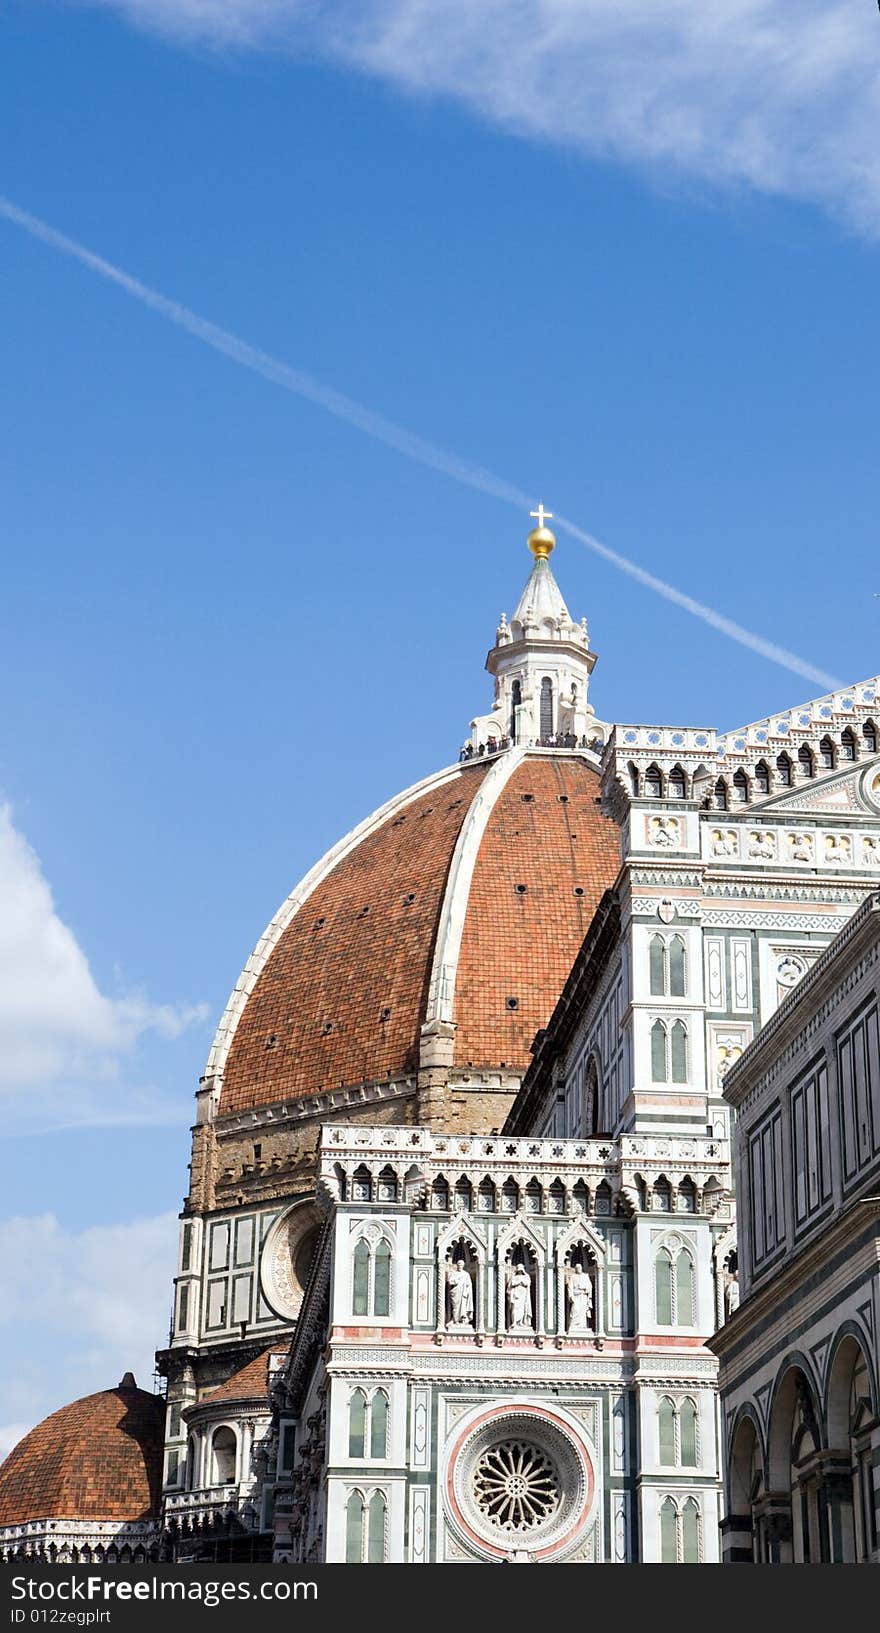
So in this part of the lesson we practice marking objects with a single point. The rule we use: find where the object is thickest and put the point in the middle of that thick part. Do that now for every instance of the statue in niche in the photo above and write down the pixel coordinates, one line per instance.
(580, 1299)
(461, 1295)
(519, 1299)
(871, 852)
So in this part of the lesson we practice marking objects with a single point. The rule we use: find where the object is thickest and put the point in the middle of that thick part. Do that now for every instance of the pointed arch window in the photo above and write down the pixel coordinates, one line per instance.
(666, 958)
(847, 745)
(509, 1196)
(653, 782)
(869, 733)
(720, 797)
(368, 1424)
(762, 777)
(805, 760)
(740, 788)
(634, 780)
(677, 783)
(668, 1532)
(684, 1290)
(361, 1278)
(663, 1288)
(674, 1288)
(681, 1541)
(677, 1433)
(382, 1279)
(676, 968)
(687, 1433)
(440, 1195)
(533, 1197)
(379, 1424)
(515, 701)
(666, 1433)
(376, 1530)
(827, 754)
(690, 1532)
(678, 1052)
(486, 1196)
(365, 1529)
(662, 1195)
(783, 770)
(371, 1278)
(658, 1053)
(658, 967)
(354, 1529)
(357, 1424)
(546, 707)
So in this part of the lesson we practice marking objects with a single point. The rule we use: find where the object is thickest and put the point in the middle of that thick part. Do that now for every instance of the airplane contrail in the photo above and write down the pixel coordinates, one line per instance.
(386, 431)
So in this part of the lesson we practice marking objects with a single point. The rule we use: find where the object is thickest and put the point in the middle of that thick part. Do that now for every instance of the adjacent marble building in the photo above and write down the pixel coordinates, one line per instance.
(799, 1357)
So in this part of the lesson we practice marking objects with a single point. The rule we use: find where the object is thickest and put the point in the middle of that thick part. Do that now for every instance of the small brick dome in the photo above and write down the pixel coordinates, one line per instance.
(466, 897)
(98, 1459)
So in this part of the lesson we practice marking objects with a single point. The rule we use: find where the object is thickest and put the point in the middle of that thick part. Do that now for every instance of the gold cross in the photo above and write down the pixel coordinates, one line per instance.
(540, 514)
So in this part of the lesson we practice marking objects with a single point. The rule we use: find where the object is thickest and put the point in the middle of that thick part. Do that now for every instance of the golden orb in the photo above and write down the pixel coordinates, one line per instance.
(541, 541)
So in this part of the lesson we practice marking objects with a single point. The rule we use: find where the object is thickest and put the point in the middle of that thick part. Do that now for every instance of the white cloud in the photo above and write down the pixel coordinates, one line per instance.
(781, 98)
(63, 1040)
(79, 1309)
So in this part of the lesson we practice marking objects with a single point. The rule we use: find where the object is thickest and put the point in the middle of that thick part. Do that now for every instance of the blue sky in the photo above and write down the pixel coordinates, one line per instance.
(632, 282)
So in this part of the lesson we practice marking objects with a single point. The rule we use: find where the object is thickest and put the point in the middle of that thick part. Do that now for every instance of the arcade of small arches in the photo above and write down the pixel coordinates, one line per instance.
(801, 1490)
(119, 1548)
(769, 777)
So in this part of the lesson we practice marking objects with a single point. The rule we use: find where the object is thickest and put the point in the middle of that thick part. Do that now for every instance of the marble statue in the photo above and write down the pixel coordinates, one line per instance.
(519, 1298)
(580, 1300)
(461, 1295)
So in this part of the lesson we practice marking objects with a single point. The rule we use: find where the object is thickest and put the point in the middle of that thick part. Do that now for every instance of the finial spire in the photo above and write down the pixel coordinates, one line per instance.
(541, 541)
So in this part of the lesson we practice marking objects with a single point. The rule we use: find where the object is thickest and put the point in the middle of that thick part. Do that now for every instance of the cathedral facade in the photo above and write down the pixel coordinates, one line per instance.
(460, 1219)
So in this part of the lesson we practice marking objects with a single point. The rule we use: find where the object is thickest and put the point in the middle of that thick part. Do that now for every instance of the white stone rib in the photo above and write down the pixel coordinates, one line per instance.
(246, 982)
(441, 990)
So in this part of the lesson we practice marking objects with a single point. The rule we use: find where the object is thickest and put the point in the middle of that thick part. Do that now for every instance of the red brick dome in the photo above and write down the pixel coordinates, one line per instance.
(98, 1459)
(466, 898)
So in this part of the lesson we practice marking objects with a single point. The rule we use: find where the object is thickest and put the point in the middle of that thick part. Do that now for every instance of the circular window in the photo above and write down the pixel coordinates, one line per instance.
(519, 1480)
(872, 786)
(516, 1486)
(287, 1256)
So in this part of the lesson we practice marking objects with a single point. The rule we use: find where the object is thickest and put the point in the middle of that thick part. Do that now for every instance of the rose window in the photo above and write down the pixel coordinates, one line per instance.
(516, 1486)
(519, 1479)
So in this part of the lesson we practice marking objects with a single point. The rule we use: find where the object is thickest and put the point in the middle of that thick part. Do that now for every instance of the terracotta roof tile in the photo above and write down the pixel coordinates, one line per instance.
(98, 1459)
(249, 1383)
(342, 996)
(547, 834)
(344, 991)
